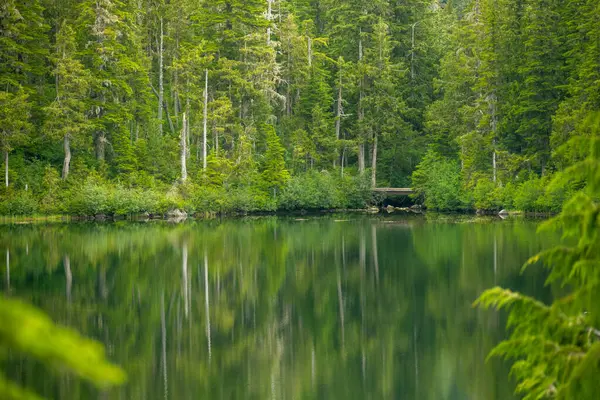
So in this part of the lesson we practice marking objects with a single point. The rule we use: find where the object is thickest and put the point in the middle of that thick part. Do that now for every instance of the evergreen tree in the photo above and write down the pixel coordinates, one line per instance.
(15, 111)
(274, 173)
(66, 117)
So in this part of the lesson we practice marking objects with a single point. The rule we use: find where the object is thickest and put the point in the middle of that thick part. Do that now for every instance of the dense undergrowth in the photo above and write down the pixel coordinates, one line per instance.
(93, 195)
(437, 181)
(440, 185)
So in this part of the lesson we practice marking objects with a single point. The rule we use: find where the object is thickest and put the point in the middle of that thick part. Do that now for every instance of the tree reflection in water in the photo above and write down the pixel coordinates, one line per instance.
(361, 308)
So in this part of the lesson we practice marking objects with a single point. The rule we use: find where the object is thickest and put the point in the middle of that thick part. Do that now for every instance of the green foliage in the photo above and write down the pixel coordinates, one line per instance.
(546, 194)
(556, 347)
(499, 86)
(29, 331)
(97, 196)
(527, 194)
(436, 182)
(18, 202)
(489, 196)
(15, 110)
(322, 190)
(274, 173)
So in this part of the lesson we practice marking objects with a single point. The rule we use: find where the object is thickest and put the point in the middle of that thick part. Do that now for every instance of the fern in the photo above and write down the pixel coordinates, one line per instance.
(556, 348)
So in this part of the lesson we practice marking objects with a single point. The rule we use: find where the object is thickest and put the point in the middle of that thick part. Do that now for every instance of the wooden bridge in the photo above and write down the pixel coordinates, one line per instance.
(394, 191)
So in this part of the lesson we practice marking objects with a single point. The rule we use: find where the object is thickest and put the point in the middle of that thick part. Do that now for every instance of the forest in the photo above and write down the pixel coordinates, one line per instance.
(144, 106)
(129, 107)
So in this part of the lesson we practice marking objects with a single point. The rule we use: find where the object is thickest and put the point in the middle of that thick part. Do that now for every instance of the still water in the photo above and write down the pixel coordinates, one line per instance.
(340, 307)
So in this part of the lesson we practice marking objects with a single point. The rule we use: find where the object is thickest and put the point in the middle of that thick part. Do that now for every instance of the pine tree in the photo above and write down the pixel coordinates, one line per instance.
(542, 77)
(110, 49)
(15, 111)
(584, 84)
(274, 173)
(23, 44)
(23, 47)
(66, 117)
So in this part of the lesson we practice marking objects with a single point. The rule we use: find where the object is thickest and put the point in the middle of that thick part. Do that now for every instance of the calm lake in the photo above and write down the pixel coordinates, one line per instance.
(336, 307)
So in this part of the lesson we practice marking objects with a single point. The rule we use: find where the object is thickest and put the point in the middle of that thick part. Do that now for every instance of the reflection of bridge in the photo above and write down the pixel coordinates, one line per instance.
(394, 191)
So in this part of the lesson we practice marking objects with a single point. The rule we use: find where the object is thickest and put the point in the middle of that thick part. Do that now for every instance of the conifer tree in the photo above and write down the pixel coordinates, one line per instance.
(274, 173)
(15, 111)
(66, 116)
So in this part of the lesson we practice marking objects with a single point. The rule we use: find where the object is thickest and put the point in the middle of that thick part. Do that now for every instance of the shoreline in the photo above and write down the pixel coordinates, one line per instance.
(182, 216)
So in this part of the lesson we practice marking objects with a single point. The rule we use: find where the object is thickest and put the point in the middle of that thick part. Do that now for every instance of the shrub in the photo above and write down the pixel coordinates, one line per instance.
(310, 191)
(527, 194)
(18, 203)
(211, 199)
(92, 198)
(491, 196)
(437, 183)
(484, 195)
(248, 199)
(356, 191)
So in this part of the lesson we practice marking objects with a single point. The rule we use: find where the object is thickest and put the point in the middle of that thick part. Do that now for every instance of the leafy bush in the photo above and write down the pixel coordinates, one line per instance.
(321, 190)
(18, 203)
(490, 196)
(97, 196)
(211, 199)
(483, 195)
(356, 191)
(310, 191)
(527, 194)
(249, 199)
(93, 197)
(137, 193)
(436, 182)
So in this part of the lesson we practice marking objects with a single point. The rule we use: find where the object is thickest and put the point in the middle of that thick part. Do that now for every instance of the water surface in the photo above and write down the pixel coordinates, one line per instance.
(342, 307)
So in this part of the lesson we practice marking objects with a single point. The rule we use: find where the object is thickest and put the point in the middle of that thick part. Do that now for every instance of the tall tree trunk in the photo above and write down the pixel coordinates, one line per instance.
(338, 116)
(67, 160)
(6, 167)
(309, 51)
(412, 51)
(361, 144)
(288, 91)
(216, 142)
(205, 119)
(184, 149)
(361, 157)
(343, 159)
(494, 123)
(100, 146)
(360, 48)
(494, 163)
(161, 89)
(374, 162)
(175, 84)
(269, 17)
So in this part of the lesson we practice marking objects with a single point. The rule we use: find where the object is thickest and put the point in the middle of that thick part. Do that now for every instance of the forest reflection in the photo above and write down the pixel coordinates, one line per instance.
(342, 307)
